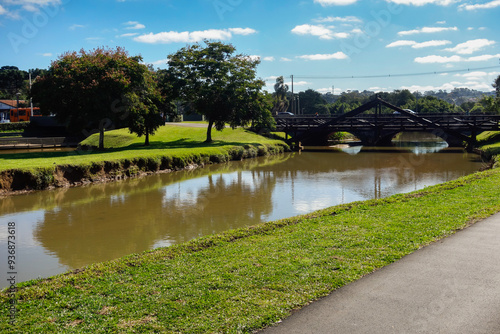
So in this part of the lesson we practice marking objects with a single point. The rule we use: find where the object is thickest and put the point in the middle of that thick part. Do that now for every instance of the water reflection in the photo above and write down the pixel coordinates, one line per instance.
(70, 228)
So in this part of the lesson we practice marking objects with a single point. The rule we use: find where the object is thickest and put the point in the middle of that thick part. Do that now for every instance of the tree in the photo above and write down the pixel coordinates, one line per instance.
(12, 81)
(281, 103)
(496, 85)
(99, 88)
(146, 115)
(311, 102)
(216, 83)
(486, 105)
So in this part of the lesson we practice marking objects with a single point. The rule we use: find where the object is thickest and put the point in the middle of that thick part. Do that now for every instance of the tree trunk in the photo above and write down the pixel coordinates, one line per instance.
(209, 132)
(101, 137)
(147, 137)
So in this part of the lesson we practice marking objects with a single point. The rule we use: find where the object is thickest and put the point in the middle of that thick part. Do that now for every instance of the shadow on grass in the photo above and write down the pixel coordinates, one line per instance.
(154, 145)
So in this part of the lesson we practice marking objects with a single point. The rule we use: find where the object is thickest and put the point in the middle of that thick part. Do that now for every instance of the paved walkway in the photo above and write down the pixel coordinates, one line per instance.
(452, 286)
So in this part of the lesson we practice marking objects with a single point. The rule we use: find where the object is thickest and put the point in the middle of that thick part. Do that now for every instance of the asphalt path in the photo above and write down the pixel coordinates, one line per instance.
(451, 286)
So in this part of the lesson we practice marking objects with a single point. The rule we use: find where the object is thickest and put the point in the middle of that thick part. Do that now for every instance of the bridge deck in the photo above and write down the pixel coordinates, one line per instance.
(455, 122)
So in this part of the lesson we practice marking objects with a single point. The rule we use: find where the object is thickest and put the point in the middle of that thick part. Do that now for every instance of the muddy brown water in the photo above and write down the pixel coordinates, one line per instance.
(64, 229)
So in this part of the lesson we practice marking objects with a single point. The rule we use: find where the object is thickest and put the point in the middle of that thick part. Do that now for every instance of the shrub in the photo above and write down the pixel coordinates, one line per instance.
(19, 126)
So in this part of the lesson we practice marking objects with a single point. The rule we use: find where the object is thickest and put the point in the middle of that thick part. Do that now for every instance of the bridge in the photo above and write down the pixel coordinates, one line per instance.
(378, 129)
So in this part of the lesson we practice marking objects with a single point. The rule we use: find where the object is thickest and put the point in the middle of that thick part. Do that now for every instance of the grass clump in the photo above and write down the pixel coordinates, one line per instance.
(246, 279)
(489, 144)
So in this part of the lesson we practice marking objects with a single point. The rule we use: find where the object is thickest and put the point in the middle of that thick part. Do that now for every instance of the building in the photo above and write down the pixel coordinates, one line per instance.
(6, 106)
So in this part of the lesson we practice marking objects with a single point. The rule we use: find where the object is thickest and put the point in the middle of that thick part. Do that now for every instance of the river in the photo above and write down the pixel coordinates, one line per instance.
(65, 229)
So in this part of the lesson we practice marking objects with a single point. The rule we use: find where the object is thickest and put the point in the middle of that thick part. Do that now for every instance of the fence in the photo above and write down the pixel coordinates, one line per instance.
(28, 143)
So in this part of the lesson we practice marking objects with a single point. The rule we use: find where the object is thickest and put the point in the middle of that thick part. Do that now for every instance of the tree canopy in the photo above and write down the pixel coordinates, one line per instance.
(102, 88)
(216, 83)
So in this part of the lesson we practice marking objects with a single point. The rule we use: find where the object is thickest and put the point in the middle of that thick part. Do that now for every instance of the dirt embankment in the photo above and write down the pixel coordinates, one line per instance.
(16, 181)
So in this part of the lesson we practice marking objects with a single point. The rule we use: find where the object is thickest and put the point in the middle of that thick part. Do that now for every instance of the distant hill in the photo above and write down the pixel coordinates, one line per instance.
(457, 96)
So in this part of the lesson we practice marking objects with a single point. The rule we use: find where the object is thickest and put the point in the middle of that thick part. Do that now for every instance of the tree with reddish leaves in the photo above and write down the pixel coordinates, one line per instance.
(100, 89)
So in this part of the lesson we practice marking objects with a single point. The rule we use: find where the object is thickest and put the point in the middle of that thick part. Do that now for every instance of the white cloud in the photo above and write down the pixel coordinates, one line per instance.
(427, 30)
(76, 26)
(134, 25)
(345, 19)
(400, 43)
(424, 2)
(192, 37)
(315, 30)
(285, 59)
(32, 5)
(160, 62)
(449, 86)
(430, 43)
(484, 57)
(337, 55)
(453, 59)
(131, 34)
(47, 54)
(488, 5)
(3, 11)
(94, 39)
(416, 45)
(325, 3)
(471, 46)
(253, 57)
(242, 31)
(479, 76)
(318, 30)
(268, 59)
(438, 59)
(297, 83)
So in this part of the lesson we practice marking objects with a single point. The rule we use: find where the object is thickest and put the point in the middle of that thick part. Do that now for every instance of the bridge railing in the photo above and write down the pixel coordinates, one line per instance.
(447, 120)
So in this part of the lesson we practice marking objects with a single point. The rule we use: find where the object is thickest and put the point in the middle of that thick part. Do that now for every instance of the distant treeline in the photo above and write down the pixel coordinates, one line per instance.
(459, 100)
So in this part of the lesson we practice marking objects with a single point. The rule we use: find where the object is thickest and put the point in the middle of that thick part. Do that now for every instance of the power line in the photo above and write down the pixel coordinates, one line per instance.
(391, 75)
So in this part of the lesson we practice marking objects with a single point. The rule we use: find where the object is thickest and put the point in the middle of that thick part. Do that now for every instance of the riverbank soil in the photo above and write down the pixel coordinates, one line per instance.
(250, 278)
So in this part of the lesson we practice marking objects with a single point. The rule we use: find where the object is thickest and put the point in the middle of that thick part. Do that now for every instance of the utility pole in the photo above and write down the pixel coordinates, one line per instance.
(31, 99)
(293, 97)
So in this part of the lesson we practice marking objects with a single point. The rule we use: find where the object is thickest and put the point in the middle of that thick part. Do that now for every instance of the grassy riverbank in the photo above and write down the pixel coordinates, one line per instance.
(172, 147)
(489, 142)
(249, 278)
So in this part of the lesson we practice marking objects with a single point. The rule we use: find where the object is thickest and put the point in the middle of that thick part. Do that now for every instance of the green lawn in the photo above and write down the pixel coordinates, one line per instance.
(246, 279)
(489, 143)
(171, 140)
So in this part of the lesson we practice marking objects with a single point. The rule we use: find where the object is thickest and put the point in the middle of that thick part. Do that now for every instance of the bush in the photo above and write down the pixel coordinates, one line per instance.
(19, 126)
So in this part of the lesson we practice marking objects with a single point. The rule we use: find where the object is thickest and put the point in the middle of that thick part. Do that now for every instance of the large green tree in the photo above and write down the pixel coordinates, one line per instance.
(216, 83)
(101, 88)
(312, 102)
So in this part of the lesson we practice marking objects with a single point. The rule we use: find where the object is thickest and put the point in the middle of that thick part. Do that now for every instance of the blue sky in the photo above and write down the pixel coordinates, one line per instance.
(319, 42)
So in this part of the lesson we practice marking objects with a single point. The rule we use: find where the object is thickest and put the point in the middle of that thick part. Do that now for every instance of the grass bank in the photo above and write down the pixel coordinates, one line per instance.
(489, 145)
(172, 147)
(246, 279)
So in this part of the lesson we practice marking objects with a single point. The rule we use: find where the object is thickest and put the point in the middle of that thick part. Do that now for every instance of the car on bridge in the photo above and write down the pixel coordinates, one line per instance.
(408, 110)
(285, 114)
